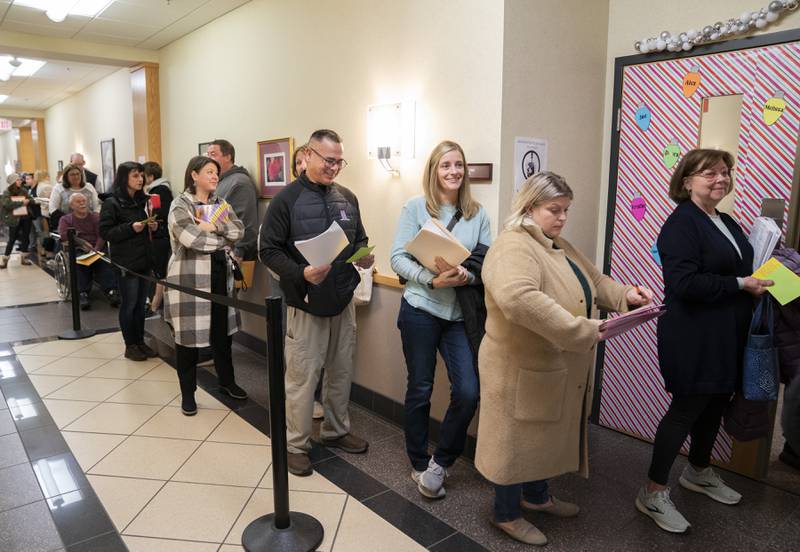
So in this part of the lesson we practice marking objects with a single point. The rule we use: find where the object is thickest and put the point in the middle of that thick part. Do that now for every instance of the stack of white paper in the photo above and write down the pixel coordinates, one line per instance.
(764, 237)
(323, 249)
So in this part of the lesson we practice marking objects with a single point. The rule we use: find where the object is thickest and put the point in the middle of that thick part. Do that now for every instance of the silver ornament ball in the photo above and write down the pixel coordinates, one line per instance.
(665, 35)
(775, 6)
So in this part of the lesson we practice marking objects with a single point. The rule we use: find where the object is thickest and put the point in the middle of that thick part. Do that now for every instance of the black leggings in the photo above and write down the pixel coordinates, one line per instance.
(696, 415)
(21, 232)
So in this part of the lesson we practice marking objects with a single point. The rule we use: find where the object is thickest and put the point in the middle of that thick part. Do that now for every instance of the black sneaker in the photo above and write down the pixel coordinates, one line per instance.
(84, 301)
(148, 352)
(133, 352)
(234, 391)
(789, 457)
(188, 405)
(113, 297)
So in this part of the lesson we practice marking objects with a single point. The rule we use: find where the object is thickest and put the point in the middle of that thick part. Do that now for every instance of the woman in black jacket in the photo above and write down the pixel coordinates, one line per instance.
(123, 224)
(706, 261)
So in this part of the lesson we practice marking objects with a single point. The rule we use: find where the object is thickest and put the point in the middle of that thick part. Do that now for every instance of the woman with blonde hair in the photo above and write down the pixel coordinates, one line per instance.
(431, 319)
(537, 356)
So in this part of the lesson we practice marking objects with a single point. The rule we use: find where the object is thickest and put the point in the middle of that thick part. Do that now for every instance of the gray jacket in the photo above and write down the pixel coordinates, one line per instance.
(237, 188)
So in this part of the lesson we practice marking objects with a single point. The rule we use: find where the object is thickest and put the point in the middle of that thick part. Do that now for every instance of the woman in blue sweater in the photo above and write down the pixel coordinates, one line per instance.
(430, 317)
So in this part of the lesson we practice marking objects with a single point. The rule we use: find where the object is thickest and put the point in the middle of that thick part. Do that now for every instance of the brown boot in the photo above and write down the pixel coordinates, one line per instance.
(348, 443)
(25, 259)
(299, 464)
(3, 261)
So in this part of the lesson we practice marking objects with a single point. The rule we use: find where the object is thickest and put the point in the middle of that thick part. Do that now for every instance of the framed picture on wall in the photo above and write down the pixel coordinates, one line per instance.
(274, 165)
(108, 159)
(202, 148)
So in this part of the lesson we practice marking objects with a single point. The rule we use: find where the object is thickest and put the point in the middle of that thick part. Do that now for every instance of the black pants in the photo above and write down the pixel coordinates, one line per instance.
(221, 342)
(21, 232)
(132, 293)
(696, 415)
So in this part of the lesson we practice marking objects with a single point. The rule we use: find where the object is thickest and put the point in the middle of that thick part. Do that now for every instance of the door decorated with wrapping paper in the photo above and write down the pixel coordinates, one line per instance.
(660, 114)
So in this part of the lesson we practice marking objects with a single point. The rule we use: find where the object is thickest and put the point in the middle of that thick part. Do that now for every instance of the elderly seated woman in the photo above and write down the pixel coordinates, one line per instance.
(87, 227)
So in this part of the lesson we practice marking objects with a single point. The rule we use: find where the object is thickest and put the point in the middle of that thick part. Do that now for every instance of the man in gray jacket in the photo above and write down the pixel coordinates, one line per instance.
(237, 188)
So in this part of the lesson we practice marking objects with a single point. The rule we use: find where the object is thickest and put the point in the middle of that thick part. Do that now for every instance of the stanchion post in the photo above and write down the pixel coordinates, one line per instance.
(281, 531)
(76, 332)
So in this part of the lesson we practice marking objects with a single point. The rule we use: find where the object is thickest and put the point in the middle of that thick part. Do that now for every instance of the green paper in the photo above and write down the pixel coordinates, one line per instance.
(787, 283)
(360, 254)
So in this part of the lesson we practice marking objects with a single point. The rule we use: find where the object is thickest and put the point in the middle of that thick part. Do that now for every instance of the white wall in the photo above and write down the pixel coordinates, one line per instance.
(553, 60)
(8, 154)
(632, 20)
(287, 73)
(102, 111)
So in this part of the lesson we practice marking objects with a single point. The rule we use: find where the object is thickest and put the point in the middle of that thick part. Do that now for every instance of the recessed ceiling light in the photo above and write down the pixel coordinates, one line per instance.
(57, 10)
(26, 68)
(3, 97)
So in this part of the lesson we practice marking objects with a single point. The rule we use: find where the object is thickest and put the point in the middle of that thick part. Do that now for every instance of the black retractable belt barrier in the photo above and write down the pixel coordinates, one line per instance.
(76, 332)
(281, 531)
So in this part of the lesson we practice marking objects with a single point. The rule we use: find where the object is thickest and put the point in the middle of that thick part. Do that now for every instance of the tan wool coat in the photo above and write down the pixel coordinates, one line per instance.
(537, 358)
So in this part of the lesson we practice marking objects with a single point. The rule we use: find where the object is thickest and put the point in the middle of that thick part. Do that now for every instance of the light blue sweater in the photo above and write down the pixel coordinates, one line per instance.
(439, 302)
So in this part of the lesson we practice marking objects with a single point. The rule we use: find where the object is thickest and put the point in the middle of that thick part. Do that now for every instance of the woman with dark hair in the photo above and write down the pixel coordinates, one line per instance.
(707, 262)
(19, 226)
(202, 228)
(123, 221)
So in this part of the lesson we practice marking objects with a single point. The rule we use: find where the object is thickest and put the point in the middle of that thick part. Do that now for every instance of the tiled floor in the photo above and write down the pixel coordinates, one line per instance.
(20, 285)
(168, 482)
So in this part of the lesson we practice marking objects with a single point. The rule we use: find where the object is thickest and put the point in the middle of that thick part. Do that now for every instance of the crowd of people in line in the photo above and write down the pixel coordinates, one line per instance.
(516, 324)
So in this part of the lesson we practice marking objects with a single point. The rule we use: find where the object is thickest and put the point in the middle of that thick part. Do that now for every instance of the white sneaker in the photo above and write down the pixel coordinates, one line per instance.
(708, 483)
(660, 509)
(431, 481)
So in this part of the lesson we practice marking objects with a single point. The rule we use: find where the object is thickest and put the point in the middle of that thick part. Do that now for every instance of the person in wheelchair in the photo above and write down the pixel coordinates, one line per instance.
(87, 227)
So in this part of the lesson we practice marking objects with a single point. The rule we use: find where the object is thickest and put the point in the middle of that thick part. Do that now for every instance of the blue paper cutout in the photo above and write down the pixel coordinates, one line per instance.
(643, 116)
(656, 255)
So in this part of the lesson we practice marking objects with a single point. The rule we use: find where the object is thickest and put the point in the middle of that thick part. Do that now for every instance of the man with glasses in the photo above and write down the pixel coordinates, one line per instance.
(321, 326)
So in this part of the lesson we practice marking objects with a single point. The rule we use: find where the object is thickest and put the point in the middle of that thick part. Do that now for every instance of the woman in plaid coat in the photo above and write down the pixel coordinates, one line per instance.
(200, 260)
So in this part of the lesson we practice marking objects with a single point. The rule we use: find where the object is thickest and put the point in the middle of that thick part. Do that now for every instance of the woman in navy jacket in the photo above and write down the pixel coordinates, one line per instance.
(709, 296)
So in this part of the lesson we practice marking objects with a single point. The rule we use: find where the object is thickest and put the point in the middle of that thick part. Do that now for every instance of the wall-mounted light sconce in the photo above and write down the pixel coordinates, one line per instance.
(390, 133)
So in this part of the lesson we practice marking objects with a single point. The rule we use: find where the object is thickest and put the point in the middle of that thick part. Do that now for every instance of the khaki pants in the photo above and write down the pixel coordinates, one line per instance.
(314, 343)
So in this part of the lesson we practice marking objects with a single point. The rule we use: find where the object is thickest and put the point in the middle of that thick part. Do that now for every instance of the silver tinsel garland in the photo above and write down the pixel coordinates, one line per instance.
(718, 31)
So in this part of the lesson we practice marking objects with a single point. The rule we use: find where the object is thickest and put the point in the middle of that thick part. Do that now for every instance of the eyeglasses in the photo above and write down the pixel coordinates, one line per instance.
(712, 175)
(330, 162)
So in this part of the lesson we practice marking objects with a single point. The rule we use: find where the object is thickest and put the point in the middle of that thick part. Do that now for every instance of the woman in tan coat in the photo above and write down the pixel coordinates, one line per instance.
(537, 356)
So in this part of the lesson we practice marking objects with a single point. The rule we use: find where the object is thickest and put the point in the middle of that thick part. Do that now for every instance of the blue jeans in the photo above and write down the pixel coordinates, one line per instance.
(422, 335)
(132, 294)
(507, 498)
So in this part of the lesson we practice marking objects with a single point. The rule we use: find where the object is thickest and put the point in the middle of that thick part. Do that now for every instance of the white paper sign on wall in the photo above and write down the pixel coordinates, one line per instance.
(530, 157)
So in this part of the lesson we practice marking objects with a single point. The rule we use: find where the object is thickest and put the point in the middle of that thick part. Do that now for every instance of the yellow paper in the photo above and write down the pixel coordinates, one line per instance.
(87, 259)
(787, 283)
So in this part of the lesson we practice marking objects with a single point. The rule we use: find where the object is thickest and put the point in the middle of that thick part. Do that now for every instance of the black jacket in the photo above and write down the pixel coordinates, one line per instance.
(162, 190)
(127, 247)
(701, 337)
(301, 211)
(471, 300)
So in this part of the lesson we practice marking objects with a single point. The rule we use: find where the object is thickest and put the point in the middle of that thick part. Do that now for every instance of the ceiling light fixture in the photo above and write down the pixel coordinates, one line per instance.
(18, 67)
(3, 97)
(58, 10)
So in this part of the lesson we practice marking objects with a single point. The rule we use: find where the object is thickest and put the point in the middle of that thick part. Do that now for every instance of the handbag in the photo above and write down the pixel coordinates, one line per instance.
(747, 420)
(363, 292)
(760, 373)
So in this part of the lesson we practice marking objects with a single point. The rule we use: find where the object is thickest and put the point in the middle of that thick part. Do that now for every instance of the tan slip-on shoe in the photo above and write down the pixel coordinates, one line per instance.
(558, 508)
(522, 530)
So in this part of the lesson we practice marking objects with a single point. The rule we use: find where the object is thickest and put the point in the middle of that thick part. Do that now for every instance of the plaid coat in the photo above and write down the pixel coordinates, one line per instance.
(190, 266)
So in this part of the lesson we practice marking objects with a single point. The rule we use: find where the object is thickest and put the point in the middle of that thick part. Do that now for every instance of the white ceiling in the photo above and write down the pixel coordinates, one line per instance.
(54, 82)
(148, 24)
